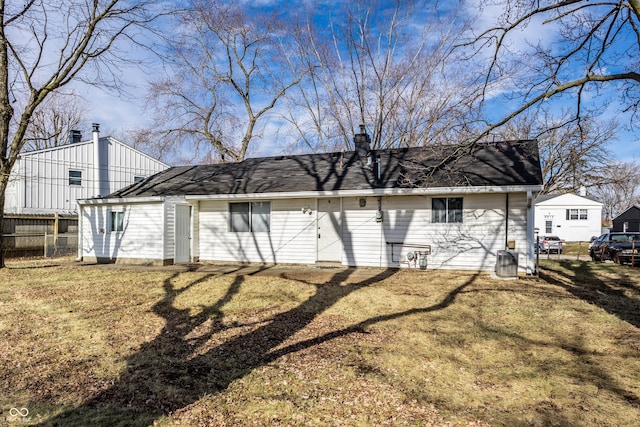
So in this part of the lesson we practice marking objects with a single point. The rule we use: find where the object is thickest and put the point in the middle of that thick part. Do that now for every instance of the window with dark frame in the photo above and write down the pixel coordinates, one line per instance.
(137, 179)
(116, 223)
(252, 217)
(446, 210)
(75, 177)
(576, 214)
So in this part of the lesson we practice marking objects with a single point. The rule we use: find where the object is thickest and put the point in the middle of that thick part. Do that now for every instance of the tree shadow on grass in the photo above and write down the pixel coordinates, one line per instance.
(172, 371)
(618, 295)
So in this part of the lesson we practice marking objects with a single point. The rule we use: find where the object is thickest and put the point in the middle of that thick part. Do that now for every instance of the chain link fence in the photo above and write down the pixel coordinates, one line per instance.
(34, 236)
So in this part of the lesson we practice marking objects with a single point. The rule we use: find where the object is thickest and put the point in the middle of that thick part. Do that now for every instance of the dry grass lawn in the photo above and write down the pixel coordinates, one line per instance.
(104, 346)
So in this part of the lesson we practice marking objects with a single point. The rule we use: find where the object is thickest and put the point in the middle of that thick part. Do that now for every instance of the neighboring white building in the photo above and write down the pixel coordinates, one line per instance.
(383, 208)
(572, 218)
(51, 180)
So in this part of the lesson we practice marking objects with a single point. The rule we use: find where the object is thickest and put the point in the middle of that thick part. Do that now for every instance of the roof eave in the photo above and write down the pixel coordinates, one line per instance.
(371, 192)
(121, 200)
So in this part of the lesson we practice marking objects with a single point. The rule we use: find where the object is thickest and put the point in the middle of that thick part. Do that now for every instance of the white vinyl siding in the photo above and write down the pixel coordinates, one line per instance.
(141, 239)
(291, 239)
(116, 221)
(472, 244)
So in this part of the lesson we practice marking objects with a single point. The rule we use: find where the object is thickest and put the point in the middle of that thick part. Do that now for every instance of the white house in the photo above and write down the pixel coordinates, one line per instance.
(386, 208)
(572, 218)
(50, 181)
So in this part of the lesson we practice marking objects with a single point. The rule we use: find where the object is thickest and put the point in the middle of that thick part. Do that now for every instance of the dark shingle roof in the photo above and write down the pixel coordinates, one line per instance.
(486, 164)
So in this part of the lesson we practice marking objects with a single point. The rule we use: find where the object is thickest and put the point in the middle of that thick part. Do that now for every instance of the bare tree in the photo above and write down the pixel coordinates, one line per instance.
(386, 65)
(620, 188)
(53, 120)
(44, 46)
(225, 76)
(577, 48)
(573, 153)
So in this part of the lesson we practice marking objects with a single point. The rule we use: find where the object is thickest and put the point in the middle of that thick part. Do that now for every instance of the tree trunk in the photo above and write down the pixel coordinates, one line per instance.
(6, 112)
(3, 187)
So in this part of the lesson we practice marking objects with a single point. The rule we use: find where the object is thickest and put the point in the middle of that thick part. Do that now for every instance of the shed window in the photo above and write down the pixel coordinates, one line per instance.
(75, 177)
(446, 209)
(254, 217)
(137, 179)
(116, 221)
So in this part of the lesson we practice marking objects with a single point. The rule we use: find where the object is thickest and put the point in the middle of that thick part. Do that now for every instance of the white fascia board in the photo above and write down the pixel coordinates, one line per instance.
(565, 200)
(370, 192)
(121, 200)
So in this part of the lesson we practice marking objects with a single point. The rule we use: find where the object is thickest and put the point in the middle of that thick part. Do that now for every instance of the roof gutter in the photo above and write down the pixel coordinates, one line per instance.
(371, 192)
(121, 200)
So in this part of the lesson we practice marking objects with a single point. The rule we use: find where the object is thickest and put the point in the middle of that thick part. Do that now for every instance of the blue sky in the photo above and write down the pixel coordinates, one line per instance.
(116, 114)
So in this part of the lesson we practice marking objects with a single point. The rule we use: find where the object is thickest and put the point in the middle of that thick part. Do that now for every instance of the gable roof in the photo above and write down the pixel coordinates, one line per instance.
(495, 164)
(75, 145)
(541, 199)
(631, 212)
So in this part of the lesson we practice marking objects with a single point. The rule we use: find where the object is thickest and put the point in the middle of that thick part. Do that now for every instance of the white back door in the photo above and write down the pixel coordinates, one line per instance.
(183, 234)
(329, 230)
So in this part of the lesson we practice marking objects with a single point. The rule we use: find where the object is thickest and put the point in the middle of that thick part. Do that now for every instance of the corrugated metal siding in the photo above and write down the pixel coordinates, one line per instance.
(46, 179)
(141, 238)
(41, 180)
(291, 240)
(125, 164)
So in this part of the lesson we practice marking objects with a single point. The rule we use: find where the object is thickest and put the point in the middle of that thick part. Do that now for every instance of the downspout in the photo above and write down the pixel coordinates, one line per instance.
(80, 212)
(506, 222)
(532, 262)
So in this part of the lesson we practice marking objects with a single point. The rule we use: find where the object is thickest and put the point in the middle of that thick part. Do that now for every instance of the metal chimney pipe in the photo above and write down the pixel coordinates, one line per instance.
(97, 160)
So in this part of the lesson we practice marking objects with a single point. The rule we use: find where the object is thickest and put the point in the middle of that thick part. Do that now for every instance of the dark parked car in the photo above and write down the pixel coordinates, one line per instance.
(550, 244)
(621, 248)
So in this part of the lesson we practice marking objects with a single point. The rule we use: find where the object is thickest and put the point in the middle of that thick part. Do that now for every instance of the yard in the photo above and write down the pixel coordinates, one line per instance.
(101, 345)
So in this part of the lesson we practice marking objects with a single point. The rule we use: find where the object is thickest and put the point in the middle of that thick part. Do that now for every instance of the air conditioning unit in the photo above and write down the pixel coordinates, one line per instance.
(507, 264)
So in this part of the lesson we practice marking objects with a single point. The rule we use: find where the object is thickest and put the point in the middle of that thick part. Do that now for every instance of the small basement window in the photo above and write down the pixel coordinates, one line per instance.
(250, 217)
(446, 209)
(75, 177)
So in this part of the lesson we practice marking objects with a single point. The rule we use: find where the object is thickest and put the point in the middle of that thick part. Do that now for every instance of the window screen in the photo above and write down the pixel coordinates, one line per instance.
(446, 209)
(254, 216)
(75, 177)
